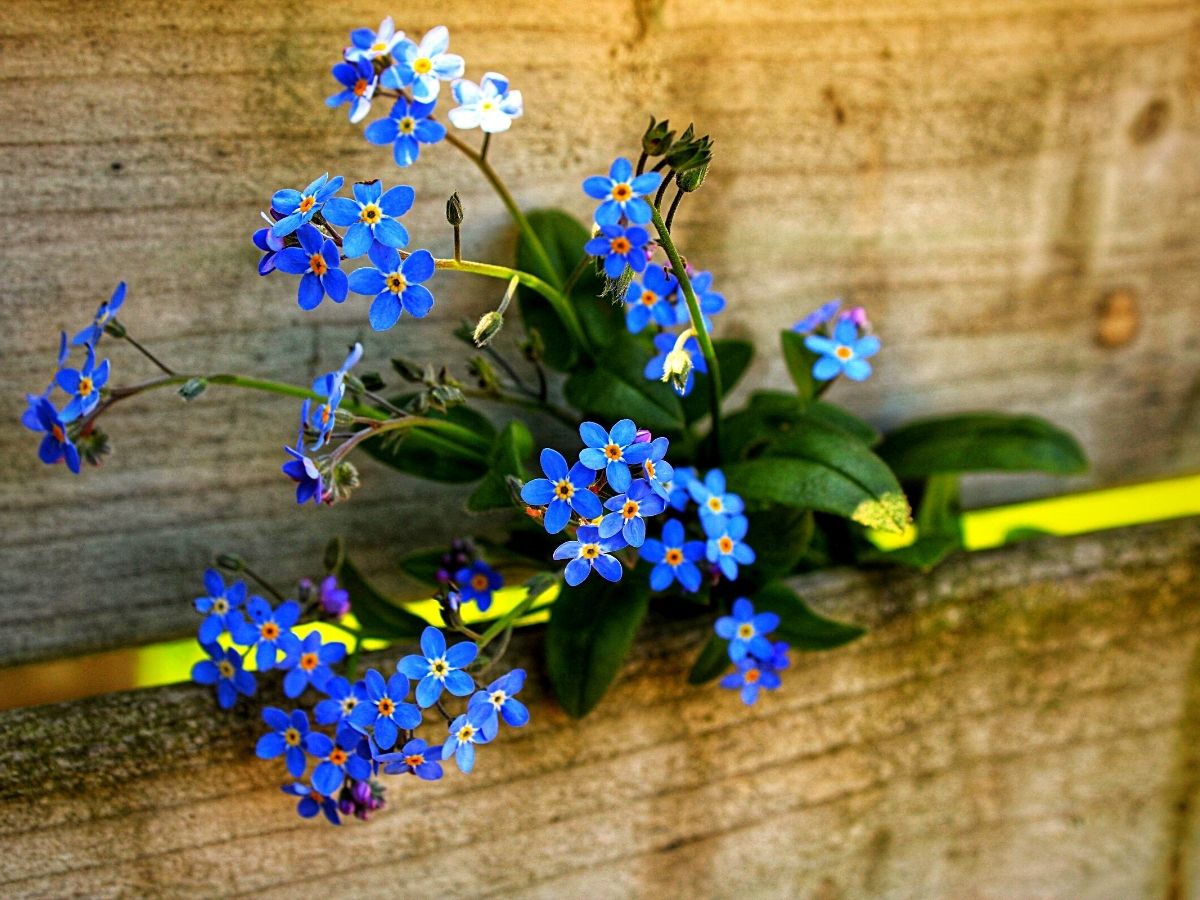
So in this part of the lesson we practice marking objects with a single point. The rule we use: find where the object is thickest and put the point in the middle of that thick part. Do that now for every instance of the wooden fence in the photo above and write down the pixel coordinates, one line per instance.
(1010, 187)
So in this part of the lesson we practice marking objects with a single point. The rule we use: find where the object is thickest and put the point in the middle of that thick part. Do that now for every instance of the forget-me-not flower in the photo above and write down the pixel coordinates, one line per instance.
(622, 193)
(476, 726)
(489, 105)
(386, 710)
(844, 354)
(620, 246)
(286, 738)
(562, 491)
(629, 511)
(747, 631)
(270, 630)
(368, 44)
(500, 699)
(650, 300)
(439, 667)
(725, 546)
(358, 82)
(590, 551)
(396, 285)
(224, 669)
(613, 451)
(674, 558)
(299, 207)
(371, 216)
(425, 66)
(106, 311)
(407, 127)
(308, 662)
(318, 263)
(219, 605)
(83, 384)
(415, 758)
(715, 502)
(478, 582)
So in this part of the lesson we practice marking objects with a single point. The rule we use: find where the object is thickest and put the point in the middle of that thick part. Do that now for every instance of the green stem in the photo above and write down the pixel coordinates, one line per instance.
(562, 415)
(697, 317)
(509, 619)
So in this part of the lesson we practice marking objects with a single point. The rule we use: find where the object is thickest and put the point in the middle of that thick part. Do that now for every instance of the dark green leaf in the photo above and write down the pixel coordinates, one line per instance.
(433, 455)
(798, 624)
(423, 565)
(848, 422)
(981, 442)
(376, 614)
(592, 627)
(779, 535)
(512, 446)
(712, 661)
(616, 388)
(734, 358)
(800, 361)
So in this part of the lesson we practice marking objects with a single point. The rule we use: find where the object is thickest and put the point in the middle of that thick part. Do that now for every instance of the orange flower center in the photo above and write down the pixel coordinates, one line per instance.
(630, 509)
(360, 87)
(415, 759)
(309, 661)
(674, 556)
(386, 706)
(225, 668)
(58, 433)
(752, 675)
(337, 756)
(85, 386)
(306, 203)
(613, 452)
(269, 631)
(648, 468)
(480, 582)
(317, 263)
(622, 192)
(649, 298)
(726, 544)
(843, 353)
(620, 245)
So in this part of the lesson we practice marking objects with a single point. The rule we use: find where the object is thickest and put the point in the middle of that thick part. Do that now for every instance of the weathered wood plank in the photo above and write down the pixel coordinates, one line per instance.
(1019, 723)
(981, 174)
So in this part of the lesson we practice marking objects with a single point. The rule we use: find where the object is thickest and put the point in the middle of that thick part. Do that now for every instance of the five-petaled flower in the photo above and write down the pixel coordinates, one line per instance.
(396, 285)
(590, 551)
(308, 662)
(415, 758)
(659, 473)
(674, 558)
(219, 605)
(57, 444)
(299, 207)
(477, 725)
(406, 128)
(301, 468)
(286, 738)
(715, 502)
(83, 384)
(368, 44)
(269, 630)
(371, 216)
(341, 701)
(385, 710)
(224, 669)
(613, 451)
(425, 65)
(562, 491)
(489, 105)
(358, 86)
(650, 299)
(845, 353)
(752, 675)
(439, 668)
(747, 631)
(313, 802)
(318, 262)
(339, 758)
(499, 699)
(622, 193)
(725, 547)
(620, 246)
(106, 311)
(629, 511)
(478, 582)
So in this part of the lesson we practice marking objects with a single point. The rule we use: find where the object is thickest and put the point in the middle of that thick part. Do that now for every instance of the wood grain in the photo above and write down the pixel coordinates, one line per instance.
(1022, 722)
(981, 175)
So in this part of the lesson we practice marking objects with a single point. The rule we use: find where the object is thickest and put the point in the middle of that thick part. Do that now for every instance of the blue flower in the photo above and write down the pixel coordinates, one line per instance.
(312, 802)
(589, 552)
(269, 245)
(358, 86)
(301, 469)
(368, 44)
(286, 738)
(845, 353)
(321, 418)
(439, 668)
(106, 311)
(371, 216)
(478, 582)
(674, 558)
(499, 699)
(664, 343)
(751, 677)
(715, 502)
(269, 629)
(308, 663)
(318, 262)
(678, 494)
(299, 207)
(83, 384)
(219, 605)
(659, 473)
(489, 105)
(622, 193)
(563, 491)
(343, 699)
(613, 451)
(56, 445)
(476, 726)
(396, 285)
(629, 511)
(620, 247)
(414, 758)
(818, 317)
(339, 758)
(747, 631)
(385, 709)
(650, 300)
(725, 547)
(224, 669)
(425, 65)
(407, 127)
(709, 301)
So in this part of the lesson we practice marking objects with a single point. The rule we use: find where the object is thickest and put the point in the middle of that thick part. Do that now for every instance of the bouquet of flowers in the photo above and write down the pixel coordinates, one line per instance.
(666, 497)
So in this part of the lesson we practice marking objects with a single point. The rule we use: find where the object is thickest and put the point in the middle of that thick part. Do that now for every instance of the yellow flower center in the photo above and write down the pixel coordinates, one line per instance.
(745, 631)
(439, 668)
(309, 661)
(370, 214)
(498, 698)
(386, 706)
(715, 504)
(844, 353)
(422, 65)
(348, 705)
(291, 737)
(630, 509)
(85, 386)
(648, 468)
(396, 283)
(612, 451)
(564, 490)
(466, 733)
(590, 551)
(220, 606)
(621, 245)
(306, 203)
(487, 106)
(225, 668)
(674, 556)
(317, 263)
(479, 582)
(726, 544)
(622, 192)
(378, 47)
(407, 125)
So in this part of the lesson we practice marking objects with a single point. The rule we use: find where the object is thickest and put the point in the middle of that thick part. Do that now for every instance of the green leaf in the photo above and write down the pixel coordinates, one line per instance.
(847, 421)
(591, 629)
(563, 237)
(824, 468)
(798, 624)
(780, 536)
(423, 565)
(378, 616)
(734, 358)
(800, 361)
(432, 455)
(615, 388)
(924, 553)
(712, 661)
(512, 446)
(981, 442)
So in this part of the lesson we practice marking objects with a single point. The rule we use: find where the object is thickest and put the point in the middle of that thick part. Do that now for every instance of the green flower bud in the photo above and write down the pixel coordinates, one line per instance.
(489, 326)
(408, 370)
(114, 328)
(193, 388)
(691, 179)
(231, 562)
(343, 479)
(657, 138)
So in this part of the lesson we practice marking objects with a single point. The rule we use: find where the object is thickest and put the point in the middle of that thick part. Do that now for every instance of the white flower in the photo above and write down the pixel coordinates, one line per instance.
(489, 105)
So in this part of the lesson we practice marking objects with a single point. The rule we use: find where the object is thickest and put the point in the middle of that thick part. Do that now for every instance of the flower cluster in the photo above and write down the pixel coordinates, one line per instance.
(842, 341)
(757, 660)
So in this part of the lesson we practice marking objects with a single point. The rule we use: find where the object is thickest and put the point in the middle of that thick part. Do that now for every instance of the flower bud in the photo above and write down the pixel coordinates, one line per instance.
(454, 210)
(361, 793)
(657, 138)
(489, 326)
(677, 368)
(231, 562)
(484, 374)
(114, 328)
(193, 388)
(643, 436)
(342, 481)
(691, 179)
(343, 417)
